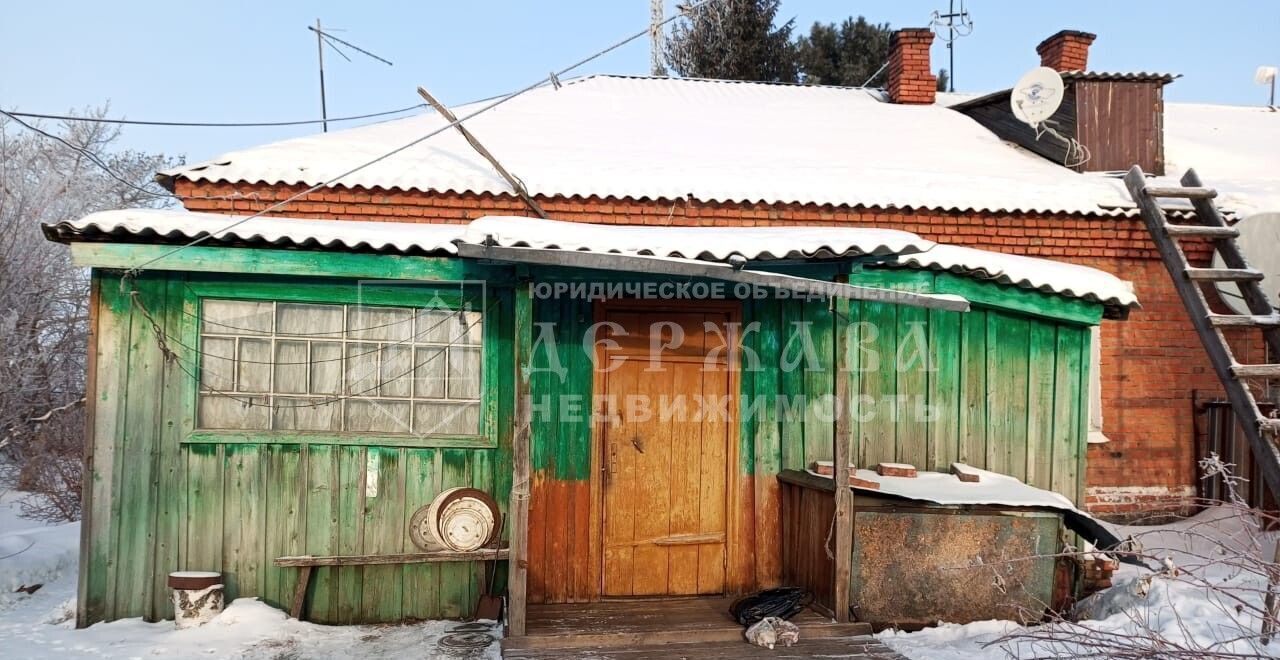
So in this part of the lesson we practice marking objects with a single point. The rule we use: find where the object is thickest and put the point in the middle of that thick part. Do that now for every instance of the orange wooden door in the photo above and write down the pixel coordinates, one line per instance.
(665, 456)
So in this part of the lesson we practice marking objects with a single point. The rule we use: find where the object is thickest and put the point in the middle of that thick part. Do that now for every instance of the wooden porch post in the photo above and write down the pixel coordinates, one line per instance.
(844, 496)
(519, 508)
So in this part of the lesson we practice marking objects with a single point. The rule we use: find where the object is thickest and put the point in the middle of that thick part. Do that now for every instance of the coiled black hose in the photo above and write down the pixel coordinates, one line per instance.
(783, 602)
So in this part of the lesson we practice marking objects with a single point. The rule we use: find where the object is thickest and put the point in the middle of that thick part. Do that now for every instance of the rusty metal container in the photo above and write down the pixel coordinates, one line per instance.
(916, 564)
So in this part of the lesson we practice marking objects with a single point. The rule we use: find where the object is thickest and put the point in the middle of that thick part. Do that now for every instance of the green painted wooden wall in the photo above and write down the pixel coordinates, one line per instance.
(159, 499)
(1007, 383)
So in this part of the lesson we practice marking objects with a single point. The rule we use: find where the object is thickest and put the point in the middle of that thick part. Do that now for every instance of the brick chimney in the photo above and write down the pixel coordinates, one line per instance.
(910, 78)
(1067, 50)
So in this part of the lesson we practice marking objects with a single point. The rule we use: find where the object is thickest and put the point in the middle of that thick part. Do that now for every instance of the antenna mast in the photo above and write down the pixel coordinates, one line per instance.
(656, 67)
(955, 30)
(325, 39)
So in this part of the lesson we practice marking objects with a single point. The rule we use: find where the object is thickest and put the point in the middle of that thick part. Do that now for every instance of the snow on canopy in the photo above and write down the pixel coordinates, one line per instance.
(714, 141)
(720, 244)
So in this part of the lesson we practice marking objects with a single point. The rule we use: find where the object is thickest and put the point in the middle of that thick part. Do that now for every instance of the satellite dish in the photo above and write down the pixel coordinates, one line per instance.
(1037, 95)
(1259, 236)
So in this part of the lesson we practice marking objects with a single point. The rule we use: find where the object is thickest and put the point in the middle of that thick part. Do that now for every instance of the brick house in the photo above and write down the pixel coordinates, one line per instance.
(961, 190)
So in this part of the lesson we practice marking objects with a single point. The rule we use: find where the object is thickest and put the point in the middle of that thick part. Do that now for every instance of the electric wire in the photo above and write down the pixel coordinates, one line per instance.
(489, 106)
(93, 158)
(208, 124)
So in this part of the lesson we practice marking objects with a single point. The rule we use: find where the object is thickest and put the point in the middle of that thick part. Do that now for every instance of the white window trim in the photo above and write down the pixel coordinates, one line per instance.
(1096, 436)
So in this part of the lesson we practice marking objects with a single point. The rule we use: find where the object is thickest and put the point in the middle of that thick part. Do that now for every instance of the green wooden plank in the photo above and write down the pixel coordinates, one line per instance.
(911, 359)
(285, 262)
(170, 492)
(819, 382)
(134, 579)
(879, 386)
(456, 578)
(320, 463)
(765, 387)
(973, 388)
(286, 520)
(384, 533)
(1007, 345)
(945, 357)
(421, 598)
(351, 501)
(202, 524)
(853, 316)
(1042, 367)
(244, 528)
(107, 386)
(1067, 400)
(1080, 443)
(792, 394)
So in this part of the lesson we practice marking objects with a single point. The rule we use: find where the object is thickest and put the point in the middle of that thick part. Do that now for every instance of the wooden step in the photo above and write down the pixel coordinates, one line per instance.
(1204, 231)
(1256, 370)
(1181, 192)
(1224, 274)
(1237, 321)
(727, 632)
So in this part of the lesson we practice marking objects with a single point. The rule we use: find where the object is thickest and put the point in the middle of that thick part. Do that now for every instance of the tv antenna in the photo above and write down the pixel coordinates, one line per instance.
(325, 39)
(957, 24)
(1266, 75)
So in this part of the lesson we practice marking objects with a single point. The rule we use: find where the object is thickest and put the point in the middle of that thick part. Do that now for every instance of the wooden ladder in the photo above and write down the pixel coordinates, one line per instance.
(1209, 225)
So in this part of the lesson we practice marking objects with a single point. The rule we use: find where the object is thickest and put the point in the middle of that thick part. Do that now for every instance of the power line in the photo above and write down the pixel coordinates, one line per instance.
(87, 154)
(328, 182)
(207, 124)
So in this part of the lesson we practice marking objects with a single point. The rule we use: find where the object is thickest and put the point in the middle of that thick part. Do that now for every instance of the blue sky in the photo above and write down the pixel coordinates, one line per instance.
(253, 61)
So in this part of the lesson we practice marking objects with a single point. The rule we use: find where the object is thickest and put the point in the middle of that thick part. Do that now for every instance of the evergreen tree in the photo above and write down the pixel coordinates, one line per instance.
(733, 40)
(848, 54)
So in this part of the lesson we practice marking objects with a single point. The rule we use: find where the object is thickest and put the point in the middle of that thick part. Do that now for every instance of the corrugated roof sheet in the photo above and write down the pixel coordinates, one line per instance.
(719, 244)
(1121, 75)
(649, 138)
(165, 226)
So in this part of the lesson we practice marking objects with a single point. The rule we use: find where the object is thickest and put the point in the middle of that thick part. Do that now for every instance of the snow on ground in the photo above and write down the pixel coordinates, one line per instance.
(42, 624)
(1137, 603)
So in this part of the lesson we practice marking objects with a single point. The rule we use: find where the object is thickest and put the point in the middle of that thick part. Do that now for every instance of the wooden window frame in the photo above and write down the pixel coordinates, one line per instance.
(327, 291)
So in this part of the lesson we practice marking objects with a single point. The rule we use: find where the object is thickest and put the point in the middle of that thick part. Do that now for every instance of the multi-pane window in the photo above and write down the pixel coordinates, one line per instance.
(285, 366)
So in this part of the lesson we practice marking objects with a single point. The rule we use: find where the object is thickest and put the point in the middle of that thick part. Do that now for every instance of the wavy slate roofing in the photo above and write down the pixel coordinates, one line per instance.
(718, 244)
(650, 138)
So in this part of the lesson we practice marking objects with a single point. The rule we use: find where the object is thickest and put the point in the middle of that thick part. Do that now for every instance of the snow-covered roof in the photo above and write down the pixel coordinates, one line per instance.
(1043, 275)
(1235, 149)
(704, 243)
(721, 244)
(650, 138)
(170, 226)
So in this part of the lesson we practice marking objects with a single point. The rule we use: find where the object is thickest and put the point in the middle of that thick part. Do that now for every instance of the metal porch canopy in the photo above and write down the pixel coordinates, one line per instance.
(710, 270)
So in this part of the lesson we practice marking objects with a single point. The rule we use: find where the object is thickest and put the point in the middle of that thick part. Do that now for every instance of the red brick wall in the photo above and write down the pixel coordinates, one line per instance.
(1151, 362)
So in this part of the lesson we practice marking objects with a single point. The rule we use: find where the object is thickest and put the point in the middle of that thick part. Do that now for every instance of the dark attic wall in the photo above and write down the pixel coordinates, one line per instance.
(1120, 123)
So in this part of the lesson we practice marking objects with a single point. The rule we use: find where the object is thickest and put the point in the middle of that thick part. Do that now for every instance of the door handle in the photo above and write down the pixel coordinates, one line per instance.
(637, 443)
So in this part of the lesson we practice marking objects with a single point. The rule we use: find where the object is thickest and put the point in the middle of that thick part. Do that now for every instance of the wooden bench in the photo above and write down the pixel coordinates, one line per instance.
(309, 562)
